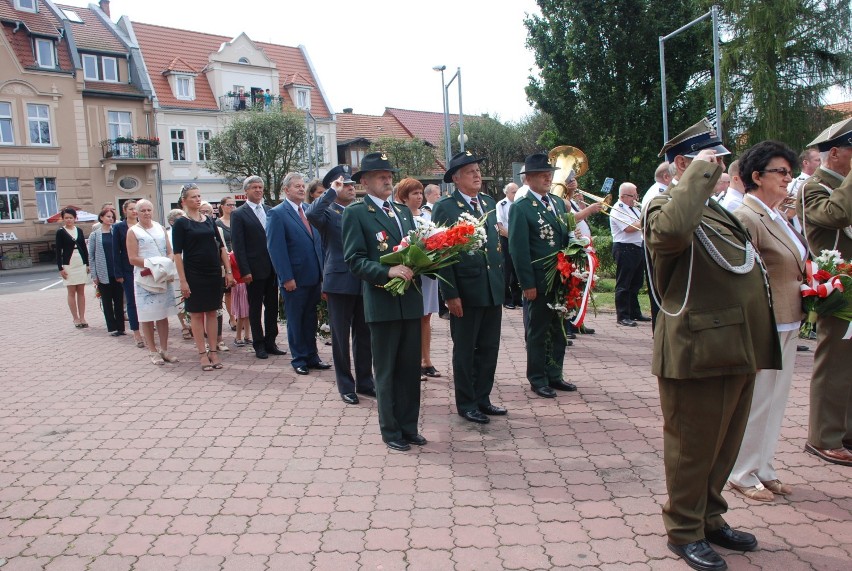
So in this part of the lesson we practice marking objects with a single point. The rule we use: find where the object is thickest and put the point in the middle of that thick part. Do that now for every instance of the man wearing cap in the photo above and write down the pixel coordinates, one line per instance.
(342, 289)
(824, 206)
(473, 291)
(537, 228)
(714, 331)
(370, 230)
(296, 253)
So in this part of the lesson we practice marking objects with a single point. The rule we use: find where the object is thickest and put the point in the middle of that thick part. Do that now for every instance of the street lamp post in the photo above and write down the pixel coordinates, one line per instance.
(448, 149)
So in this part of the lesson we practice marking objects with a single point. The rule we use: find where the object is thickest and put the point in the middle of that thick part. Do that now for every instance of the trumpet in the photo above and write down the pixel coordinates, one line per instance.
(606, 203)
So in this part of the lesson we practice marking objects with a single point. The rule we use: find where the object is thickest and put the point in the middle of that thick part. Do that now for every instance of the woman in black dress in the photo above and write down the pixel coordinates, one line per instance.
(199, 257)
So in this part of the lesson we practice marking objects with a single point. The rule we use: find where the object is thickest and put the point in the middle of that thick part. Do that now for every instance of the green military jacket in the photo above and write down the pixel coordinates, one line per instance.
(727, 326)
(828, 215)
(478, 278)
(368, 234)
(535, 232)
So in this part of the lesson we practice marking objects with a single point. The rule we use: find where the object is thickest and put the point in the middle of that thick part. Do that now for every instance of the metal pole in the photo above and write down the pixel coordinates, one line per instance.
(461, 115)
(308, 142)
(716, 69)
(448, 148)
(663, 89)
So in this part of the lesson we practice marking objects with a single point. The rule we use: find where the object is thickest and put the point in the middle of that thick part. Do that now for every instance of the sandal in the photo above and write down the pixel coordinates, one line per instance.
(430, 371)
(156, 358)
(208, 366)
(78, 325)
(777, 487)
(83, 324)
(757, 492)
(222, 347)
(168, 358)
(140, 343)
(187, 333)
(218, 365)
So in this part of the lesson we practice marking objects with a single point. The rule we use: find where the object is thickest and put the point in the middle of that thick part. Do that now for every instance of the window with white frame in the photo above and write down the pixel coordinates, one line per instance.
(7, 136)
(203, 139)
(90, 67)
(110, 65)
(302, 99)
(320, 150)
(177, 138)
(10, 199)
(38, 118)
(119, 124)
(355, 156)
(47, 200)
(184, 88)
(45, 53)
(27, 5)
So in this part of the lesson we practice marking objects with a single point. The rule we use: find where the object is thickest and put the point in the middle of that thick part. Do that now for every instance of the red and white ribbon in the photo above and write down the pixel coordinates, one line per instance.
(812, 286)
(591, 267)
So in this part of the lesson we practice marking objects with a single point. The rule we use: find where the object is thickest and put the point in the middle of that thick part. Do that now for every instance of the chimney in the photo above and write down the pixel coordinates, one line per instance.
(348, 110)
(104, 4)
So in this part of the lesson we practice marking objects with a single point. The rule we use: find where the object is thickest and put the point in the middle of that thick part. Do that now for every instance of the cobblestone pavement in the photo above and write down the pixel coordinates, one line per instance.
(110, 463)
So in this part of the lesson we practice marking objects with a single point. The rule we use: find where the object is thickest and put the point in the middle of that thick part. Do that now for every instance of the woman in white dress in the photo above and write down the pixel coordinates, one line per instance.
(410, 192)
(147, 239)
(72, 257)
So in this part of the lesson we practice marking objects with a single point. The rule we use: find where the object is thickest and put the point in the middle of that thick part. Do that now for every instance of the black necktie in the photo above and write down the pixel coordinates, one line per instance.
(546, 201)
(386, 207)
(474, 203)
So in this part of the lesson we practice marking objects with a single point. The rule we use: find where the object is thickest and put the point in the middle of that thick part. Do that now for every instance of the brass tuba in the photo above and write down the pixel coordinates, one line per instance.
(566, 158)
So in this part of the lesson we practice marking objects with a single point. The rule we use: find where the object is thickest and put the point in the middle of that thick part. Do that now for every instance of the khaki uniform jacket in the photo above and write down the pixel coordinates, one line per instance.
(780, 255)
(477, 279)
(362, 247)
(727, 326)
(827, 214)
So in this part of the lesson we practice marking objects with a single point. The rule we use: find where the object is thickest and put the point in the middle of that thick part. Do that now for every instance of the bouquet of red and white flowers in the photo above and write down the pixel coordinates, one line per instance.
(429, 248)
(827, 290)
(570, 277)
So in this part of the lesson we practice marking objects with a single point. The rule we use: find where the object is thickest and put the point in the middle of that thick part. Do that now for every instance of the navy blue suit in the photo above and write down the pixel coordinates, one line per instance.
(296, 254)
(344, 298)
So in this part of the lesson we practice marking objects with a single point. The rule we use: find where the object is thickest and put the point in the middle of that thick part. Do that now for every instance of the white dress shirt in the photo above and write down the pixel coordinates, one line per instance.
(733, 199)
(617, 227)
(654, 191)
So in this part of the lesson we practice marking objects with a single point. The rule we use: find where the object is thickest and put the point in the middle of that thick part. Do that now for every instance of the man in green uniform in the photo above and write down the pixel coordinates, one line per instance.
(826, 202)
(473, 291)
(371, 229)
(537, 228)
(715, 329)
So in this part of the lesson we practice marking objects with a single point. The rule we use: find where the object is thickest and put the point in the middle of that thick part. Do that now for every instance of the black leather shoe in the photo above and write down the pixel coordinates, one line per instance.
(563, 386)
(545, 392)
(274, 350)
(415, 439)
(627, 322)
(801, 348)
(367, 392)
(322, 366)
(261, 353)
(699, 555)
(586, 330)
(509, 305)
(732, 539)
(569, 343)
(349, 398)
(400, 445)
(301, 370)
(570, 335)
(475, 416)
(492, 410)
(642, 318)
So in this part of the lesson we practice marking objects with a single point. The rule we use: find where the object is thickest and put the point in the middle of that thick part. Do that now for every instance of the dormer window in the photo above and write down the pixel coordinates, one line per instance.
(100, 68)
(45, 53)
(303, 99)
(185, 87)
(27, 5)
(110, 65)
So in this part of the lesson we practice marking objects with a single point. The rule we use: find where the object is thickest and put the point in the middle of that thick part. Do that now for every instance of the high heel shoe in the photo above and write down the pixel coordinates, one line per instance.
(206, 366)
(156, 358)
(168, 358)
(218, 365)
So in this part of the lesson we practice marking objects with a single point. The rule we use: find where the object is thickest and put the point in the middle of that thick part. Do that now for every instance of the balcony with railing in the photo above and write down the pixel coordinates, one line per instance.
(130, 148)
(246, 102)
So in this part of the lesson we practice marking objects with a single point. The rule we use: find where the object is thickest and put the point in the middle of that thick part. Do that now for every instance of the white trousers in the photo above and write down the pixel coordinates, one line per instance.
(771, 389)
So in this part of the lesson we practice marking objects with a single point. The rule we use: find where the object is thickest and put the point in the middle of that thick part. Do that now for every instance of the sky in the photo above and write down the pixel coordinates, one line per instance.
(374, 54)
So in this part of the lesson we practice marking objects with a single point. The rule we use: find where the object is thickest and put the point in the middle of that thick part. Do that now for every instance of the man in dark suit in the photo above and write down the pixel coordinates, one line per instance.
(296, 253)
(248, 239)
(714, 331)
(473, 290)
(537, 228)
(342, 289)
(370, 230)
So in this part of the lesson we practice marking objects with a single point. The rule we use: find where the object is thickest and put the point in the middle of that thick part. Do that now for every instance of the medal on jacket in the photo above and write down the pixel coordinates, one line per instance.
(382, 239)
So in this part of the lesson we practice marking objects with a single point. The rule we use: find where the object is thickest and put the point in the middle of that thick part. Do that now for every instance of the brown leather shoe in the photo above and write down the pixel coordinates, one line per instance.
(777, 487)
(836, 456)
(758, 493)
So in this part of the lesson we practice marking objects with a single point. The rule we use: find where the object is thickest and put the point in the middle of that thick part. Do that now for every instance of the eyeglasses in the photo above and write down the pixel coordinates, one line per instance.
(782, 172)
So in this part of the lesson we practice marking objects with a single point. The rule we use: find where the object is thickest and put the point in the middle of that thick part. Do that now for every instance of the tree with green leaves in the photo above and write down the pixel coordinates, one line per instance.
(500, 144)
(600, 79)
(778, 61)
(413, 157)
(268, 144)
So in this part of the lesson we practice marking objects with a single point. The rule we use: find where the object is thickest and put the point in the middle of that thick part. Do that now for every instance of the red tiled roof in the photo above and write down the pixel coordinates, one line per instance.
(296, 79)
(159, 45)
(22, 46)
(93, 34)
(426, 125)
(118, 88)
(370, 127)
(178, 64)
(42, 22)
(845, 108)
